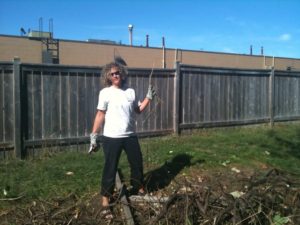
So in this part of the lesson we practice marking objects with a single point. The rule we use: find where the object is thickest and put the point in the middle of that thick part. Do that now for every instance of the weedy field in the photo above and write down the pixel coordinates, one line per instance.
(244, 175)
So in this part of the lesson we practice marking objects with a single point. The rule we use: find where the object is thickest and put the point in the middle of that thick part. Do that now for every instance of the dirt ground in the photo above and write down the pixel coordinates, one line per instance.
(221, 197)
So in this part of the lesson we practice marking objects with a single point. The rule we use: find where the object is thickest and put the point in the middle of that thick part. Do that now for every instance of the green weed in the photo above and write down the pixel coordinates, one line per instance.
(77, 172)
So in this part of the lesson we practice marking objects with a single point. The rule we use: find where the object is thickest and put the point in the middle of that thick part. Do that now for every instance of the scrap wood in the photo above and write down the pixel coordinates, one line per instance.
(12, 199)
(125, 205)
(148, 198)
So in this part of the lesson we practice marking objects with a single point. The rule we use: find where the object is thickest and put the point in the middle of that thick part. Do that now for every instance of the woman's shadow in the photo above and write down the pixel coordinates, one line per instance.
(161, 177)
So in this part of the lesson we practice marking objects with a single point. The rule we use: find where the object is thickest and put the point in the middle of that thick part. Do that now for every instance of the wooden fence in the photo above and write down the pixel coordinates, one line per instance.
(220, 97)
(55, 105)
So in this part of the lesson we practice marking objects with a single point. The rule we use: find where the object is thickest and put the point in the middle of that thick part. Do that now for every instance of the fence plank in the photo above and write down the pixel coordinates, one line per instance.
(2, 104)
(9, 105)
(47, 107)
(17, 109)
(82, 106)
(176, 112)
(55, 103)
(158, 106)
(73, 105)
(271, 97)
(90, 103)
(29, 105)
(64, 101)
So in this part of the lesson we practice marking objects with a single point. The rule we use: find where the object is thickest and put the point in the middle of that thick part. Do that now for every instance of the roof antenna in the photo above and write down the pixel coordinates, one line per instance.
(23, 32)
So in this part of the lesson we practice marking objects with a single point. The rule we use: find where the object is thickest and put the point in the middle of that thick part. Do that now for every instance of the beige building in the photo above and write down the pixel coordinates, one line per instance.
(96, 53)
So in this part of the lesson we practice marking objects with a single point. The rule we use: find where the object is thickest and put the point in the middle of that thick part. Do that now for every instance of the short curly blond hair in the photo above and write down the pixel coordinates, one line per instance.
(105, 73)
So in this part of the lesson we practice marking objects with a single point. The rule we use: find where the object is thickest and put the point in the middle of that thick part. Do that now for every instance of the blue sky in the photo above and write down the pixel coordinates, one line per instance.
(212, 25)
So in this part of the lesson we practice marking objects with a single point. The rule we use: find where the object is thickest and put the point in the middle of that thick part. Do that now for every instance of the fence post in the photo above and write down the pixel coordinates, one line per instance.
(17, 109)
(176, 111)
(271, 96)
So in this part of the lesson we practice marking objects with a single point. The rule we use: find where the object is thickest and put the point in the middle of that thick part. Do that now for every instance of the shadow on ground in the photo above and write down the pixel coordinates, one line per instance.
(292, 146)
(161, 177)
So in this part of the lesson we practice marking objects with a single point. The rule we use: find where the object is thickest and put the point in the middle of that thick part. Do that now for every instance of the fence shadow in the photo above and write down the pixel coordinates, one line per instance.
(161, 177)
(292, 146)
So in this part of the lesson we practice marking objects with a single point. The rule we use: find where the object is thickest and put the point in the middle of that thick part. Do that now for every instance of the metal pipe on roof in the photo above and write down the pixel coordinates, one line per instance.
(147, 40)
(164, 53)
(130, 28)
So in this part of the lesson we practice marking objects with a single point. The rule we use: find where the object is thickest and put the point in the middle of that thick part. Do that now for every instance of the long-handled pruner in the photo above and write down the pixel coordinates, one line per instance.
(158, 98)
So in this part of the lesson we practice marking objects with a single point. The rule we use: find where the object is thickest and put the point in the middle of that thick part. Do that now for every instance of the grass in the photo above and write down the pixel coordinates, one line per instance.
(209, 149)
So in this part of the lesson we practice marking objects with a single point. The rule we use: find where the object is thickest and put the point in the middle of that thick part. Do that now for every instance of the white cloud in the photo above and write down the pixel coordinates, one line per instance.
(285, 37)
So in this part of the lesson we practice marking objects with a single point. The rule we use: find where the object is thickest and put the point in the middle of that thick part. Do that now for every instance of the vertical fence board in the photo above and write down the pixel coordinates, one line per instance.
(183, 97)
(140, 88)
(222, 110)
(259, 85)
(294, 96)
(177, 109)
(158, 106)
(82, 106)
(240, 97)
(243, 97)
(96, 87)
(29, 102)
(64, 99)
(278, 96)
(207, 97)
(246, 101)
(216, 98)
(251, 98)
(46, 91)
(132, 83)
(6, 110)
(191, 98)
(298, 94)
(201, 98)
(196, 97)
(213, 97)
(37, 117)
(146, 119)
(235, 96)
(72, 104)
(16, 100)
(163, 93)
(8, 106)
(2, 99)
(73, 107)
(55, 105)
(266, 97)
(169, 102)
(90, 102)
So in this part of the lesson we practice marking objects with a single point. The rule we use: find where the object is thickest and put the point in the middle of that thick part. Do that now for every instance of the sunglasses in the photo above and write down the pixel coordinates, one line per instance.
(114, 74)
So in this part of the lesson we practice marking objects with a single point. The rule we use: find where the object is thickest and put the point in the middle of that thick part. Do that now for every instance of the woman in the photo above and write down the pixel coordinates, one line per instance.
(116, 107)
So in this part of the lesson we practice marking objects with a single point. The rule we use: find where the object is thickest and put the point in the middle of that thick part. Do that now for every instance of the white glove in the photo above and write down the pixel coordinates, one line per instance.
(93, 143)
(151, 92)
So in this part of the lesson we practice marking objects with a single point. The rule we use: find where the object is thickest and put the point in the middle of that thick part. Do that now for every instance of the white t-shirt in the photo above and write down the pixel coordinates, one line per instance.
(119, 105)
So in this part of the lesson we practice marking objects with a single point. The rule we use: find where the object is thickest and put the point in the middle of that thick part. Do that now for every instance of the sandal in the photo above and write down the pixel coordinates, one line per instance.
(106, 213)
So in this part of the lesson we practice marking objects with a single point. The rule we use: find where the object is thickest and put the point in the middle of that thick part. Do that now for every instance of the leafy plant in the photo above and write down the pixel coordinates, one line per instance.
(280, 220)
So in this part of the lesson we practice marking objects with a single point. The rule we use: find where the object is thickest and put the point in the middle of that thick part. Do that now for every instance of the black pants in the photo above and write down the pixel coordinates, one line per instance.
(112, 148)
